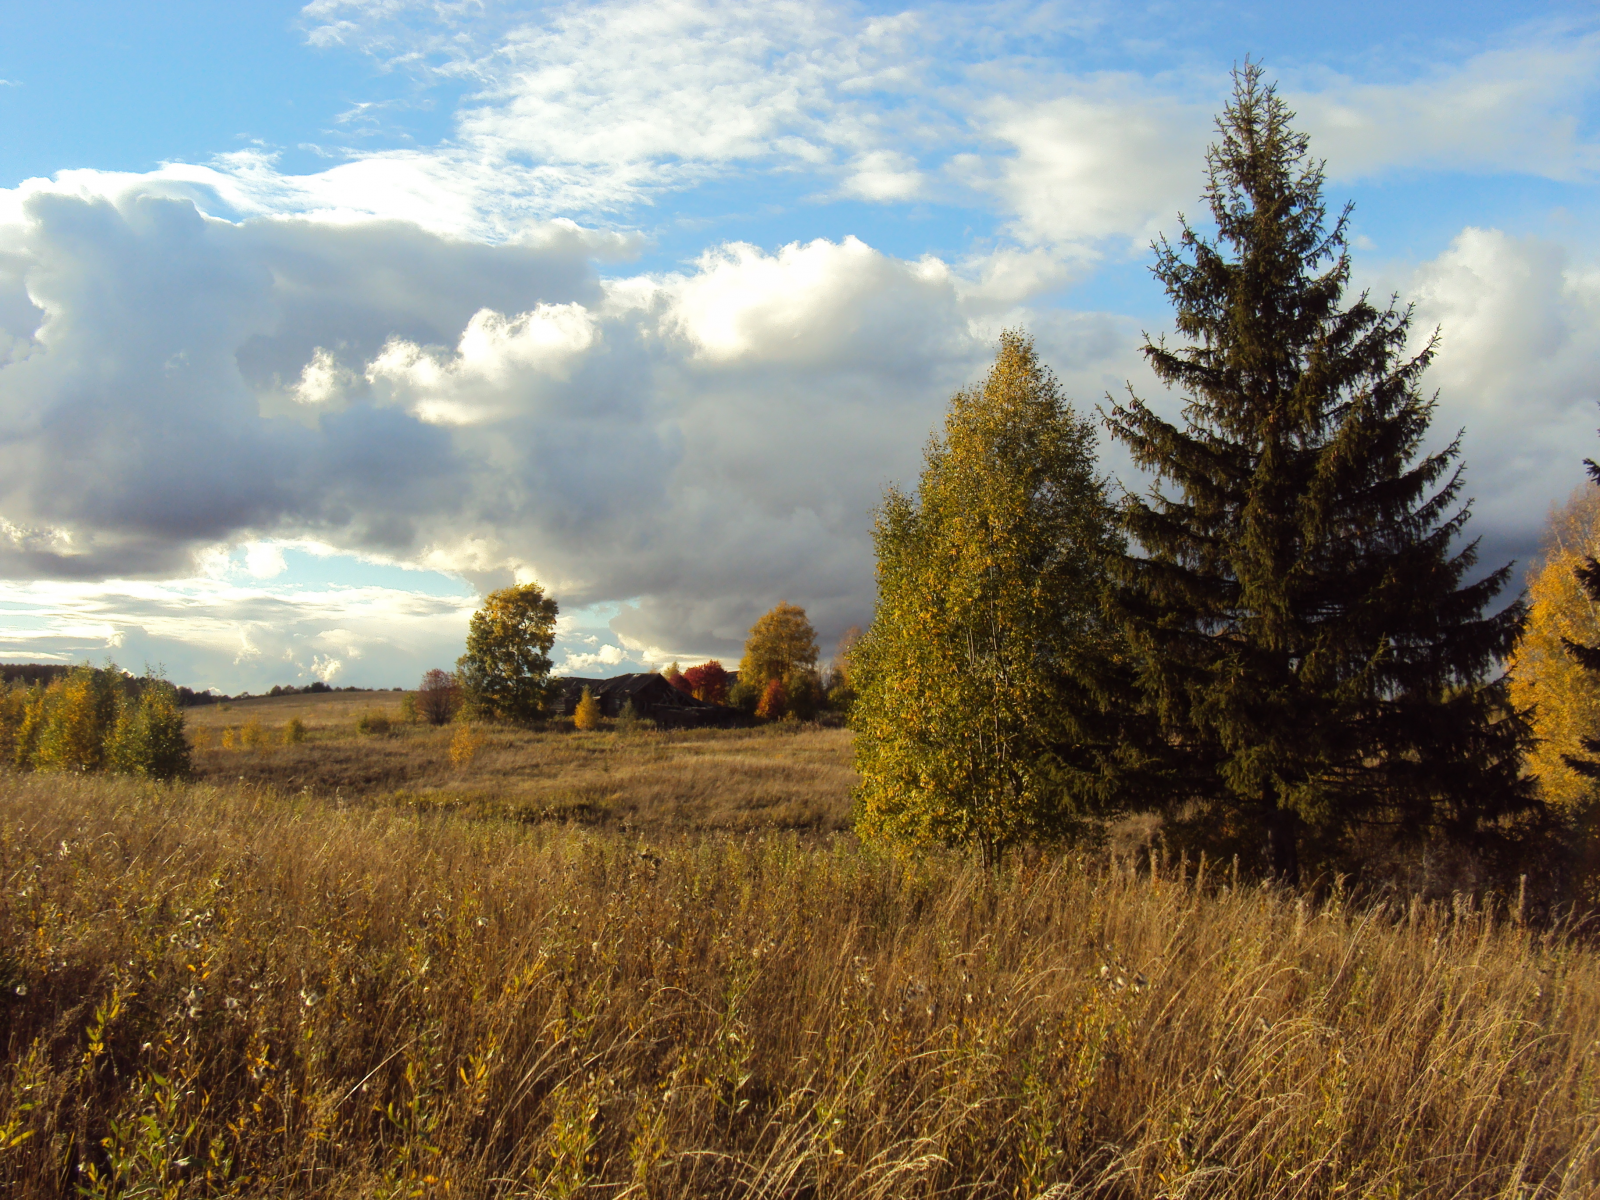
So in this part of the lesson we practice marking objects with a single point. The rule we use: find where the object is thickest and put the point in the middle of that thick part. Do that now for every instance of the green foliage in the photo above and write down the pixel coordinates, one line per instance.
(373, 722)
(95, 719)
(505, 672)
(587, 714)
(629, 720)
(745, 695)
(974, 708)
(408, 709)
(294, 732)
(1304, 637)
(781, 642)
(148, 739)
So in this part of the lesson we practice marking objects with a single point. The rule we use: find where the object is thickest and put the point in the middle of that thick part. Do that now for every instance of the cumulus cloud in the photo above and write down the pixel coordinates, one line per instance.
(1519, 367)
(416, 353)
(703, 443)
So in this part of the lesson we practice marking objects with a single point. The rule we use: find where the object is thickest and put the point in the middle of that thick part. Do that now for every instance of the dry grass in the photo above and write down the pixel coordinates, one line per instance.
(223, 991)
(771, 777)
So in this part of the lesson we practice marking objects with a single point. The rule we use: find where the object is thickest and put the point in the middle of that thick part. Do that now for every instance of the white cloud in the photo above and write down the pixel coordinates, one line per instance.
(1518, 366)
(1111, 160)
(264, 560)
(1513, 108)
(323, 379)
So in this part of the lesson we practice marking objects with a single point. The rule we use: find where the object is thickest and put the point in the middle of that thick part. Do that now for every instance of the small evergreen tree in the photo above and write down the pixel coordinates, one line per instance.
(977, 718)
(1304, 633)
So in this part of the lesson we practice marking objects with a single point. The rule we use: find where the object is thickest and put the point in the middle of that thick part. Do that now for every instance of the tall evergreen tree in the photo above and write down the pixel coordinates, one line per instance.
(1304, 634)
(976, 711)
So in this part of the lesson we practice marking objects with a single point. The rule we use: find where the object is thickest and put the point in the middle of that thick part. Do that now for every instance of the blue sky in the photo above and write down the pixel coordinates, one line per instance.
(317, 320)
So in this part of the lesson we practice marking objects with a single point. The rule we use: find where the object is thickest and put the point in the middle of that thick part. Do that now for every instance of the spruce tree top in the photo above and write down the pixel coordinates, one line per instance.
(1299, 614)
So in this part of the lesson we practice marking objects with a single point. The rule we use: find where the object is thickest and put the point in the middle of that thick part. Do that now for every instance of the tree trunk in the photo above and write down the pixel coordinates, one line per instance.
(1283, 844)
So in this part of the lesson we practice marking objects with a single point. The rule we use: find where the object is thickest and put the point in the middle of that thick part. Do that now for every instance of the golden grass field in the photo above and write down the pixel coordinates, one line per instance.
(417, 986)
(770, 777)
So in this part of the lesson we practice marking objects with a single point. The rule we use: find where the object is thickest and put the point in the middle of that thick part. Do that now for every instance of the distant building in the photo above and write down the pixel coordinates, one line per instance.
(652, 697)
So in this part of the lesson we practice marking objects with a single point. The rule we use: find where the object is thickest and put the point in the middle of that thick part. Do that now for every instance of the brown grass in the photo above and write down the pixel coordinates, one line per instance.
(220, 990)
(770, 777)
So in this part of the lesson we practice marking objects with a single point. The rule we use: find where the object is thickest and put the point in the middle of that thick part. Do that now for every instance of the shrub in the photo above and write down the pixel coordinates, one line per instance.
(408, 708)
(745, 695)
(629, 720)
(374, 722)
(294, 732)
(252, 736)
(200, 737)
(587, 714)
(464, 745)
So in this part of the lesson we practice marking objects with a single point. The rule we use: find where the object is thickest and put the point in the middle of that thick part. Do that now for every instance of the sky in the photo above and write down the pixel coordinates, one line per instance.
(318, 321)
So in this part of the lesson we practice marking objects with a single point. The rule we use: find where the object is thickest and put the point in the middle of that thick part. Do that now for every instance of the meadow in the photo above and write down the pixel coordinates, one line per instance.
(655, 965)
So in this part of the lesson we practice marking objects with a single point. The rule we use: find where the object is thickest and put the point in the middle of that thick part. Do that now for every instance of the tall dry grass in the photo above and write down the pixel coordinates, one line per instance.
(223, 991)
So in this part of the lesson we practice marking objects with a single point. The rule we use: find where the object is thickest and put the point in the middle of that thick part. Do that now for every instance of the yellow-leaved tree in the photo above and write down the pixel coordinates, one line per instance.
(976, 715)
(587, 714)
(1544, 675)
(505, 672)
(782, 648)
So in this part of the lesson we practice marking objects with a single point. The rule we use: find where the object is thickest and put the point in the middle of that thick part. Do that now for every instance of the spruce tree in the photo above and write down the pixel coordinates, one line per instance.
(1302, 622)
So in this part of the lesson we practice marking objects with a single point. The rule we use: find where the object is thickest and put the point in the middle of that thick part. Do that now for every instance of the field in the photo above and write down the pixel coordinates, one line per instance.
(773, 777)
(650, 965)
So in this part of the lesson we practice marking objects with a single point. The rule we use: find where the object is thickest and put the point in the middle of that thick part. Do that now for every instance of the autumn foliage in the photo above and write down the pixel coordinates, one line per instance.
(708, 682)
(774, 700)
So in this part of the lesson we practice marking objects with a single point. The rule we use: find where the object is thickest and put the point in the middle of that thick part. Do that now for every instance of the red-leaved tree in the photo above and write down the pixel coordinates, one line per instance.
(708, 682)
(675, 677)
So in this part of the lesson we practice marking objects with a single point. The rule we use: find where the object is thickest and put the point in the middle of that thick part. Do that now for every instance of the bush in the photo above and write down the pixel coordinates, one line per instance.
(374, 722)
(744, 696)
(294, 732)
(252, 736)
(464, 745)
(408, 708)
(587, 714)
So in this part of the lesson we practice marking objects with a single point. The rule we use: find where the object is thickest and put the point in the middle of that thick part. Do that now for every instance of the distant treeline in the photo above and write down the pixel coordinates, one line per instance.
(44, 674)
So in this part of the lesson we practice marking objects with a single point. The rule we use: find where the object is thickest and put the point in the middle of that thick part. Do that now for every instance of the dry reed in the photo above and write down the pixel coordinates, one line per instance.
(225, 991)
